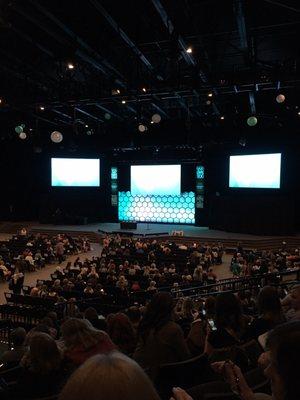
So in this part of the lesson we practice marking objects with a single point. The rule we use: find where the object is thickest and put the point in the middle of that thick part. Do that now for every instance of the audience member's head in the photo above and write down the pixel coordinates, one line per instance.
(187, 308)
(134, 314)
(158, 313)
(121, 332)
(284, 345)
(210, 306)
(43, 354)
(80, 332)
(113, 377)
(18, 336)
(228, 312)
(91, 315)
(268, 302)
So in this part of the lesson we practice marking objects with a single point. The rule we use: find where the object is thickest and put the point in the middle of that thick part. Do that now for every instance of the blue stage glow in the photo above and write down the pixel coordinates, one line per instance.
(167, 208)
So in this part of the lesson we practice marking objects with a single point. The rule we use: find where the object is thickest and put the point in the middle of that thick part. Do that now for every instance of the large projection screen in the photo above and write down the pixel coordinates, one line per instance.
(257, 171)
(155, 180)
(75, 172)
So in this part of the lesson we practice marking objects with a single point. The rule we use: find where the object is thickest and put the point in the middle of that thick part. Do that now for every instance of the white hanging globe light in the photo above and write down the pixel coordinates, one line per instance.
(142, 128)
(22, 135)
(56, 137)
(280, 98)
(156, 118)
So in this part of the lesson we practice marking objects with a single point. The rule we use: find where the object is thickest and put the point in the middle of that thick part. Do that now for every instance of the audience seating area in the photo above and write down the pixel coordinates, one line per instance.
(135, 289)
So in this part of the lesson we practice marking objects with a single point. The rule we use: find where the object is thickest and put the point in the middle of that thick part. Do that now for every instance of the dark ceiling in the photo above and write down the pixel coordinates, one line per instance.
(244, 52)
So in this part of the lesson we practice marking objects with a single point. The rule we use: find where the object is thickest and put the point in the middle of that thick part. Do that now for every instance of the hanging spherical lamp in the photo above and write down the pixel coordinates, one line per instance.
(142, 128)
(156, 118)
(252, 121)
(22, 135)
(18, 129)
(280, 98)
(56, 137)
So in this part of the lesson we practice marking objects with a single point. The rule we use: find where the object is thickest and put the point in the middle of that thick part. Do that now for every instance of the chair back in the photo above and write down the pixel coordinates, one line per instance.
(185, 374)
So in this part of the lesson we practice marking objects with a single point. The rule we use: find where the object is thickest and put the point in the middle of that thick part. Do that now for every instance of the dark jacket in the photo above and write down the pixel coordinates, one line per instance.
(166, 345)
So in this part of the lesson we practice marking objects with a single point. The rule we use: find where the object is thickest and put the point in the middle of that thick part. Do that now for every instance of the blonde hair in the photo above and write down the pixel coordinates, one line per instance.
(112, 377)
(76, 332)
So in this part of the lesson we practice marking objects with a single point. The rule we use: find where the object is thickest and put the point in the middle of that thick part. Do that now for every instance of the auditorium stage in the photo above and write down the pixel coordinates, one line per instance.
(144, 229)
(191, 233)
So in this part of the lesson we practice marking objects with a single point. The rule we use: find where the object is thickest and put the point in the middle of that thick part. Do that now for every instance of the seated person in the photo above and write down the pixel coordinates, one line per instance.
(11, 358)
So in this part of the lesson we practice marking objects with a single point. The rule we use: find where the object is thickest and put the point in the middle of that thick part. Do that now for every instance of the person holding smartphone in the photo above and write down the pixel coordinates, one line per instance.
(228, 326)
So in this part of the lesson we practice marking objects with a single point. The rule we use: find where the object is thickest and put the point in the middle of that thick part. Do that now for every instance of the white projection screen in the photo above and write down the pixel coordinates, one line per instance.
(78, 172)
(155, 180)
(261, 171)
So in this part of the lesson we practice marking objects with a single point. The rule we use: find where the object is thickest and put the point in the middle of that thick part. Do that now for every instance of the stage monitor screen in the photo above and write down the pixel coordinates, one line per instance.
(75, 172)
(257, 171)
(156, 180)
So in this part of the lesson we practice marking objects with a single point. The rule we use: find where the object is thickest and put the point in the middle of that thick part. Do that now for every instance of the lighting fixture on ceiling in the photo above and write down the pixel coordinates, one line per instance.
(56, 137)
(280, 98)
(142, 128)
(22, 135)
(252, 121)
(156, 118)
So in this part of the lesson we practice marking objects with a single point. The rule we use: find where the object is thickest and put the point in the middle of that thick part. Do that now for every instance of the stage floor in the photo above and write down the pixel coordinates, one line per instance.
(150, 229)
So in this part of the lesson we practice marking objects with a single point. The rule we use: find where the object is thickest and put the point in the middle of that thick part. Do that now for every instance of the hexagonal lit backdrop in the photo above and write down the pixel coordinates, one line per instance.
(171, 209)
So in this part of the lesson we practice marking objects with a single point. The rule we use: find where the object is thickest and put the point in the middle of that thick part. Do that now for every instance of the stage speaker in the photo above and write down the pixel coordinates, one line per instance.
(128, 225)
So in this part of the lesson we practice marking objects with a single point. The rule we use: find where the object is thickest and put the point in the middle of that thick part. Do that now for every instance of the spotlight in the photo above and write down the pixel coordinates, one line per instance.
(114, 92)
(222, 117)
(151, 122)
(22, 135)
(42, 108)
(298, 112)
(252, 121)
(156, 118)
(86, 126)
(189, 50)
(56, 137)
(210, 94)
(280, 98)
(71, 66)
(144, 89)
(1, 101)
(123, 102)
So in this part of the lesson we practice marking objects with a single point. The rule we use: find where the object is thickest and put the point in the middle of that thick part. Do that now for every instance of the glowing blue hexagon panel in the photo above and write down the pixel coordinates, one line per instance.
(157, 208)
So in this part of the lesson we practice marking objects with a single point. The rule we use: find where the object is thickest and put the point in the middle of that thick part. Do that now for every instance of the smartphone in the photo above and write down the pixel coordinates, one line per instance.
(212, 324)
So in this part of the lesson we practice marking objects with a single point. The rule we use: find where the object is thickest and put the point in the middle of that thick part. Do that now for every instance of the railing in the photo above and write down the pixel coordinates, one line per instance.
(238, 284)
